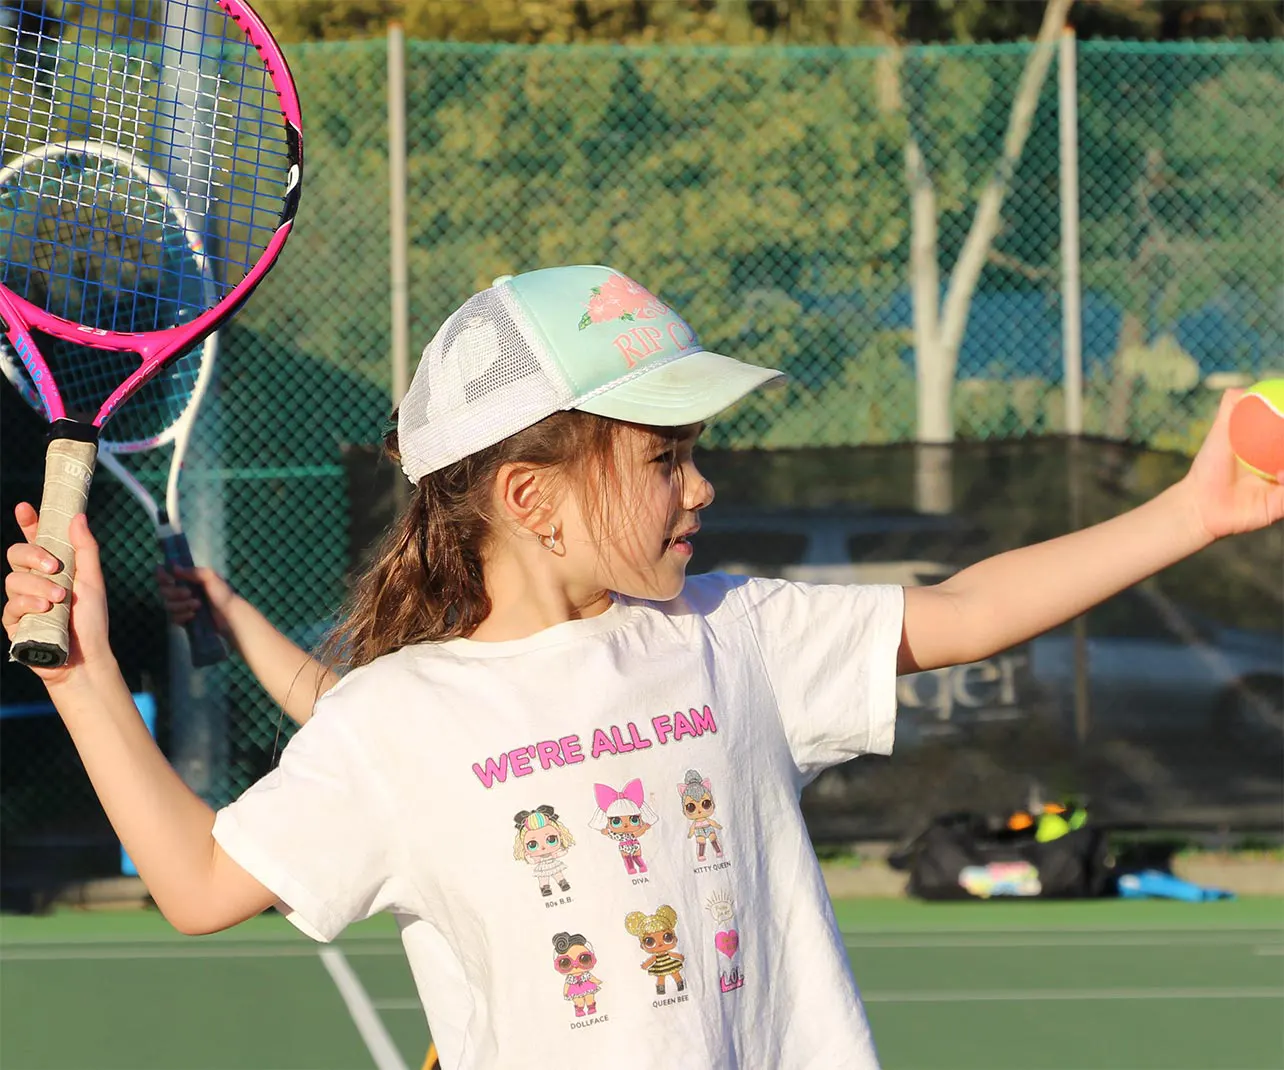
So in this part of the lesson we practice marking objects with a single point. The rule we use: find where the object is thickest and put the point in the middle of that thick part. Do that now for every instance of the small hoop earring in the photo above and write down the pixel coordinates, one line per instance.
(549, 541)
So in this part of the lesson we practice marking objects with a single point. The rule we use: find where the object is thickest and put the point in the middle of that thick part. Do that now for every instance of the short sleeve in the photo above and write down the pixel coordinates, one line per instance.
(830, 655)
(314, 831)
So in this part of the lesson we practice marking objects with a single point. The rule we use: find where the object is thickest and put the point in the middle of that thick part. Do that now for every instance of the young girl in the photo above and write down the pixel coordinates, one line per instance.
(528, 628)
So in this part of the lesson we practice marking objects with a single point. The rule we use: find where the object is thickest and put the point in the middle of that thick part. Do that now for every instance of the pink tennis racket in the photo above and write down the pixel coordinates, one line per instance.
(123, 136)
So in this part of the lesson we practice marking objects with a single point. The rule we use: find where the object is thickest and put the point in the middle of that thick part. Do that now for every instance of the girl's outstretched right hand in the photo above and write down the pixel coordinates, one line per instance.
(28, 589)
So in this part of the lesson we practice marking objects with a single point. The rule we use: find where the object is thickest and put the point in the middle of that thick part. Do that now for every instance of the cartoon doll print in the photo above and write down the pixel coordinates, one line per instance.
(656, 936)
(541, 842)
(726, 940)
(697, 803)
(624, 816)
(574, 960)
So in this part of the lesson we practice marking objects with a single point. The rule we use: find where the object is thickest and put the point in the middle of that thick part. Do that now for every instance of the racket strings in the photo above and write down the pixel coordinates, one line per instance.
(189, 96)
(110, 253)
(152, 413)
(98, 245)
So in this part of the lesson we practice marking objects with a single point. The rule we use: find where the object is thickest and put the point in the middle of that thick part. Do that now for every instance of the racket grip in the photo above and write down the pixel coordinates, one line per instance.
(42, 640)
(208, 646)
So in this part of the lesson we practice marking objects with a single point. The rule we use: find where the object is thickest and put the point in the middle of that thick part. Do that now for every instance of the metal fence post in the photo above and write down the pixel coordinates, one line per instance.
(198, 700)
(398, 269)
(399, 287)
(1071, 293)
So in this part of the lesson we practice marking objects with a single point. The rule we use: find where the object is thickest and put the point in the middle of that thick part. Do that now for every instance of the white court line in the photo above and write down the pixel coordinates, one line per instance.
(353, 944)
(1035, 930)
(240, 939)
(1052, 939)
(195, 949)
(180, 951)
(364, 1016)
(1024, 995)
(1270, 951)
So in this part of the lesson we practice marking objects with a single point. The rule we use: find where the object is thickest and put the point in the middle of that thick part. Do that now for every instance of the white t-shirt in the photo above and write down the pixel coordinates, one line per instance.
(407, 792)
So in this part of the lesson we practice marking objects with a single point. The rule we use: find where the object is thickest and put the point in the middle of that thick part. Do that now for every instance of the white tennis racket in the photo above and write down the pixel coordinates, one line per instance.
(163, 411)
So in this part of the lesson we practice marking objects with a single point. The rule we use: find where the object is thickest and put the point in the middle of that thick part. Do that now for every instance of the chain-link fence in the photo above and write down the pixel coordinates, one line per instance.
(1180, 218)
(764, 193)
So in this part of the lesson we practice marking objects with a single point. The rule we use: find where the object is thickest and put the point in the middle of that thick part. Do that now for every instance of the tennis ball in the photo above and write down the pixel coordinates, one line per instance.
(1051, 827)
(1257, 429)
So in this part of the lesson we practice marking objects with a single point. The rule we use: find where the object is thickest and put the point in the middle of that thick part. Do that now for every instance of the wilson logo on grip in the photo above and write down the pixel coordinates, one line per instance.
(77, 474)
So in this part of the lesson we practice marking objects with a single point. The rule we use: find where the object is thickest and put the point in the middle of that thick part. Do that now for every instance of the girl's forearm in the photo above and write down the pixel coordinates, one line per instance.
(293, 678)
(1017, 595)
(163, 825)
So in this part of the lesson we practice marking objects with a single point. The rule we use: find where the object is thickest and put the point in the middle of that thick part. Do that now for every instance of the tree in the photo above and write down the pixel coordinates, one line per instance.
(940, 319)
(1181, 208)
(939, 323)
(747, 22)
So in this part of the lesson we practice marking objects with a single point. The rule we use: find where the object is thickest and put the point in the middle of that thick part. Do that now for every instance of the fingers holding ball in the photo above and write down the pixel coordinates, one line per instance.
(1257, 429)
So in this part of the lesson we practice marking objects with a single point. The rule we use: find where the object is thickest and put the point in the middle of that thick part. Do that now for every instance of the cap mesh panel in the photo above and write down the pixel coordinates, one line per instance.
(484, 376)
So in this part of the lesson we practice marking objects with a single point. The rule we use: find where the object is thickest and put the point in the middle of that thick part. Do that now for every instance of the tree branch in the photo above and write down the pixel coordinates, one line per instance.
(985, 223)
(1029, 271)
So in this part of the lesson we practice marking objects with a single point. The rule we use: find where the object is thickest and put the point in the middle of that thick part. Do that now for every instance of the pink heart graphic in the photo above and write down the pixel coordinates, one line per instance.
(727, 941)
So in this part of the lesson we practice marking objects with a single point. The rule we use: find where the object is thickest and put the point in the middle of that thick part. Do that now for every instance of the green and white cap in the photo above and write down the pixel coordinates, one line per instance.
(583, 337)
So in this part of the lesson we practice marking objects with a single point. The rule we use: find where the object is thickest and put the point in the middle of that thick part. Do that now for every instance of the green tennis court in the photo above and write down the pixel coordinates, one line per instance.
(1019, 986)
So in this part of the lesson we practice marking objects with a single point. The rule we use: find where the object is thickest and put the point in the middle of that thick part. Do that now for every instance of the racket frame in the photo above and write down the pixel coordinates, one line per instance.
(43, 640)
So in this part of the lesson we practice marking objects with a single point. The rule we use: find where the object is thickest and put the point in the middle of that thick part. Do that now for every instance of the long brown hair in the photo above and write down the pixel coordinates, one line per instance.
(424, 583)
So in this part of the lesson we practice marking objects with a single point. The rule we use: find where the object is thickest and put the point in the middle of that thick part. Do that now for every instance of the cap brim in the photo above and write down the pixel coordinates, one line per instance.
(688, 390)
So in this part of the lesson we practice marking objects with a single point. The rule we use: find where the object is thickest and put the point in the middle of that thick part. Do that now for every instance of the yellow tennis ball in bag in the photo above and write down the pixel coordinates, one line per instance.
(1051, 827)
(1257, 429)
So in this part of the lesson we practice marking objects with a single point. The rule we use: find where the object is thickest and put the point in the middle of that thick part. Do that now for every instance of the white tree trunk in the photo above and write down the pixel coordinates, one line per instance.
(938, 328)
(933, 470)
(932, 365)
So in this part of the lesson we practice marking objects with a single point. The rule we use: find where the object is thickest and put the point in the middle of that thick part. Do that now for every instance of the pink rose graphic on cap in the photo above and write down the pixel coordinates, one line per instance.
(620, 298)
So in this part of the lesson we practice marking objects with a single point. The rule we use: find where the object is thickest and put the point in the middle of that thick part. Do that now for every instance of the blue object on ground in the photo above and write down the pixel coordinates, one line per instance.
(146, 703)
(1155, 884)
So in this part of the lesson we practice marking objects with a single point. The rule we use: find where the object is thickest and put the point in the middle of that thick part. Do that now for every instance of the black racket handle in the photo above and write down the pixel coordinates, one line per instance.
(208, 647)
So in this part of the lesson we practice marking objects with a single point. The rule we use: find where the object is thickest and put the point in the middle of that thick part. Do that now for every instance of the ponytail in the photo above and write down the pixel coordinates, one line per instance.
(424, 583)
